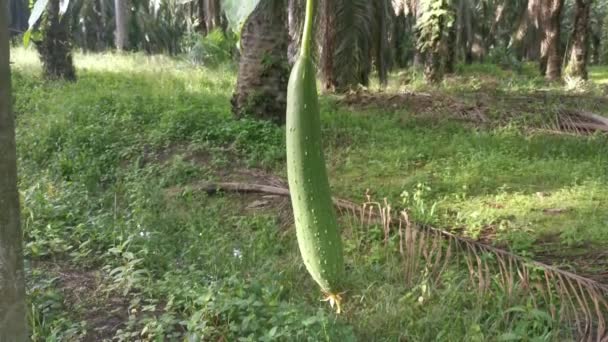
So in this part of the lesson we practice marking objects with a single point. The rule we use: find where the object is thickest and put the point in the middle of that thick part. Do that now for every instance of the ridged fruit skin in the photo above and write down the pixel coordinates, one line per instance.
(315, 218)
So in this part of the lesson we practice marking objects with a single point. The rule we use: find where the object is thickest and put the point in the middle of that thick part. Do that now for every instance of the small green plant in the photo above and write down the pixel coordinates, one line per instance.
(416, 201)
(213, 49)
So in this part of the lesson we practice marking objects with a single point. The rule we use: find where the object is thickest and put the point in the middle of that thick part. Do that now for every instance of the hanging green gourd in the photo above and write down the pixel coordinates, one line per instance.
(316, 225)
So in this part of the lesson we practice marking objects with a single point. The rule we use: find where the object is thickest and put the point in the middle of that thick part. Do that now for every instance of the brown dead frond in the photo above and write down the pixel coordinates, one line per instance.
(427, 252)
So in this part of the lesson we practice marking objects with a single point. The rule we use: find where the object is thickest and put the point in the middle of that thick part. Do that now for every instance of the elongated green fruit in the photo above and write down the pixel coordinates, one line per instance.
(315, 219)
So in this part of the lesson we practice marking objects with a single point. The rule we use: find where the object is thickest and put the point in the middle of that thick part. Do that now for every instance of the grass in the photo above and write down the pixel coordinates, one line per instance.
(108, 167)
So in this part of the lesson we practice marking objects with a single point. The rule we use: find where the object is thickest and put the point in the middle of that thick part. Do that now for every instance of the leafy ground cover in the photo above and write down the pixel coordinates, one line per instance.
(122, 245)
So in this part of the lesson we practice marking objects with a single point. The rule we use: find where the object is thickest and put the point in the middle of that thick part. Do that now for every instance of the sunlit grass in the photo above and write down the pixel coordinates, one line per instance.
(599, 74)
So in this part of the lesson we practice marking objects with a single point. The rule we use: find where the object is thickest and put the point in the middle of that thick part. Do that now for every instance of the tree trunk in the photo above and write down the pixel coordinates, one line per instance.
(55, 49)
(499, 14)
(527, 27)
(202, 24)
(419, 56)
(579, 55)
(450, 60)
(261, 89)
(328, 43)
(435, 51)
(399, 35)
(468, 31)
(596, 48)
(213, 11)
(294, 20)
(13, 323)
(551, 13)
(380, 36)
(121, 8)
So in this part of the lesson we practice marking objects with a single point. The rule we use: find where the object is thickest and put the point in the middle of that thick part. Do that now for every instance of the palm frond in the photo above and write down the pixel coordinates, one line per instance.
(353, 42)
(383, 18)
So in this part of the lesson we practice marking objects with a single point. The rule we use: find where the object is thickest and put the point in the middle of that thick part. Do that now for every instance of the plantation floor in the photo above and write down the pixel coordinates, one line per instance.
(115, 226)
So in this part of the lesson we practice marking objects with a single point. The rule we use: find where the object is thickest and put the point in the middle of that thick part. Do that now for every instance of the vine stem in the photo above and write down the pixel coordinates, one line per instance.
(308, 25)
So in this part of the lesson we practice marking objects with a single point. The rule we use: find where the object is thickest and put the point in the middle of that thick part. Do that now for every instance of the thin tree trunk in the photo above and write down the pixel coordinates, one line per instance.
(13, 323)
(450, 60)
(468, 32)
(55, 49)
(202, 24)
(499, 14)
(551, 13)
(595, 52)
(419, 56)
(399, 33)
(261, 89)
(579, 55)
(328, 19)
(213, 14)
(121, 10)
(381, 42)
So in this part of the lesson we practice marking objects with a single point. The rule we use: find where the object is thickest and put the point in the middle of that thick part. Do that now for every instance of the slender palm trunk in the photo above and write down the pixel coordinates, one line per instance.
(213, 14)
(450, 60)
(202, 24)
(55, 49)
(551, 61)
(121, 8)
(579, 55)
(328, 44)
(261, 89)
(13, 324)
(399, 33)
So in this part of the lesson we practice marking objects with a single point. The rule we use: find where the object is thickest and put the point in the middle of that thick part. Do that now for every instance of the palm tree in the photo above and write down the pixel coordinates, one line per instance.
(432, 27)
(354, 36)
(551, 61)
(121, 9)
(579, 55)
(261, 89)
(13, 325)
(55, 48)
(213, 10)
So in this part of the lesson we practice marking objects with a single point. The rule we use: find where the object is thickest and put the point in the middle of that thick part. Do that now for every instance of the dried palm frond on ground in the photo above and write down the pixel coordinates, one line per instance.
(427, 252)
(579, 122)
(479, 108)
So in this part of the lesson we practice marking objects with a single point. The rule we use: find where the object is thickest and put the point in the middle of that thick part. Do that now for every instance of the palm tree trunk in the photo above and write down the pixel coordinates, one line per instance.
(202, 24)
(261, 89)
(121, 8)
(55, 49)
(13, 324)
(213, 11)
(419, 56)
(294, 20)
(450, 60)
(551, 13)
(579, 55)
(527, 28)
(399, 35)
(328, 22)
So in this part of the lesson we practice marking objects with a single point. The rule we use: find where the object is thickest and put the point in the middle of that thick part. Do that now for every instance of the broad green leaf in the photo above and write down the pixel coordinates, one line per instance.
(37, 11)
(237, 11)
